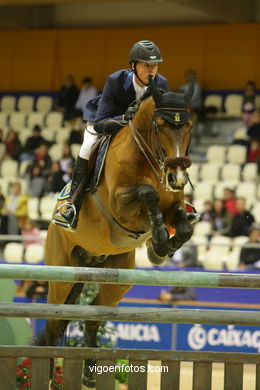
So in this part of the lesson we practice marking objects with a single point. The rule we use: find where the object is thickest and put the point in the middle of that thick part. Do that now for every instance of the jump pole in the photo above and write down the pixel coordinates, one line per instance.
(125, 276)
(134, 314)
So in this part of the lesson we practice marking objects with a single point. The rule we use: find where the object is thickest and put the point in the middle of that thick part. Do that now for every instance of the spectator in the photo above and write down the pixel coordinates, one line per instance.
(178, 294)
(36, 183)
(1, 136)
(87, 92)
(248, 106)
(221, 219)
(186, 256)
(196, 101)
(42, 157)
(254, 134)
(254, 152)
(206, 214)
(2, 145)
(67, 176)
(55, 178)
(67, 97)
(242, 221)
(29, 229)
(13, 145)
(250, 254)
(37, 289)
(16, 206)
(253, 131)
(67, 159)
(230, 201)
(34, 141)
(3, 217)
(2, 202)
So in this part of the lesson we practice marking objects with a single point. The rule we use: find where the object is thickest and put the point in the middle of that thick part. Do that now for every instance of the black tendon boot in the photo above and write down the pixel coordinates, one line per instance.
(69, 218)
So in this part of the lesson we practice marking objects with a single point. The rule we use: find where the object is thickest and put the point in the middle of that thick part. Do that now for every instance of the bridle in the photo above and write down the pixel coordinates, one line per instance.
(155, 157)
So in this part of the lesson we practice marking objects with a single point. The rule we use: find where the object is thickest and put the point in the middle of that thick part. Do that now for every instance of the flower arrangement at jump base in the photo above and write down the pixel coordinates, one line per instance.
(23, 373)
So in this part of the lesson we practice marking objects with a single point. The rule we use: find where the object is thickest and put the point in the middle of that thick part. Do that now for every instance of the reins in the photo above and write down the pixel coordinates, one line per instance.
(145, 149)
(156, 162)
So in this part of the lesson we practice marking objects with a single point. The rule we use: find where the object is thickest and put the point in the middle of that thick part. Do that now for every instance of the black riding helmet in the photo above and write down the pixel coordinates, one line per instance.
(144, 51)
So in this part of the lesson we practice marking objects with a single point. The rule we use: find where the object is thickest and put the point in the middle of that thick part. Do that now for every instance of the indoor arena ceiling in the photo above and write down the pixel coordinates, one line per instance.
(106, 13)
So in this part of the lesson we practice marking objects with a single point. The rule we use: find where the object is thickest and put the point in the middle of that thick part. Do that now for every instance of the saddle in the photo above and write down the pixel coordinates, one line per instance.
(95, 167)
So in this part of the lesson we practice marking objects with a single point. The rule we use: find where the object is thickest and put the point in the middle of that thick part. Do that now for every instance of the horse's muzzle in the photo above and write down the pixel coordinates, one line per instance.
(176, 181)
(176, 174)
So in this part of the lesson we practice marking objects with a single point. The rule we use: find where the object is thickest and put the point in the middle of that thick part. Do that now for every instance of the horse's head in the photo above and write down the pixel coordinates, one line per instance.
(171, 134)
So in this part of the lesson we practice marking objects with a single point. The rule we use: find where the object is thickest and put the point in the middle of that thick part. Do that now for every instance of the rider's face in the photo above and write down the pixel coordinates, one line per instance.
(144, 70)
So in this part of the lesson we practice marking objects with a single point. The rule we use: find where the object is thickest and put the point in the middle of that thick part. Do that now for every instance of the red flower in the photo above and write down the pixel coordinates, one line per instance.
(26, 362)
(19, 372)
(58, 379)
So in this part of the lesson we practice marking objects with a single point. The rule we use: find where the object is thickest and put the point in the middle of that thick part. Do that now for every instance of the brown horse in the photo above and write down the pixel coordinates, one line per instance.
(140, 193)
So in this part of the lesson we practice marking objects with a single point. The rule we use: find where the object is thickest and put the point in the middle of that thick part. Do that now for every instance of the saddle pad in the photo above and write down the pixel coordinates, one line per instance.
(99, 164)
(65, 192)
(93, 183)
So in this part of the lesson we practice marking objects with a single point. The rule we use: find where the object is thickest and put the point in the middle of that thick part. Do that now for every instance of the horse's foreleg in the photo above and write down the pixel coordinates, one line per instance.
(158, 250)
(184, 229)
(131, 201)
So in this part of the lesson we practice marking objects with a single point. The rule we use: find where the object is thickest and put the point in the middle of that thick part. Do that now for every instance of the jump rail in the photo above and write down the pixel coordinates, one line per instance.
(135, 314)
(105, 358)
(123, 276)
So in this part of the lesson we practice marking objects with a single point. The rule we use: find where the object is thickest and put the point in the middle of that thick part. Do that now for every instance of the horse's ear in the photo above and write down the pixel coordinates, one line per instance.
(189, 93)
(156, 93)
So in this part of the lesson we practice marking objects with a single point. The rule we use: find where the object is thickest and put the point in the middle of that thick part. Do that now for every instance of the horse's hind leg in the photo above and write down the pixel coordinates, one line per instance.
(54, 329)
(109, 295)
(58, 252)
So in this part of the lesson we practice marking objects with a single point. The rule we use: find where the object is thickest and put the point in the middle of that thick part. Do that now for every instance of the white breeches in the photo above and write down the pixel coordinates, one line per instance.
(90, 137)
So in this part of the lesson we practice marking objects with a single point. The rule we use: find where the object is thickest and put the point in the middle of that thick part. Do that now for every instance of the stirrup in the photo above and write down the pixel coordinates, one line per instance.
(66, 225)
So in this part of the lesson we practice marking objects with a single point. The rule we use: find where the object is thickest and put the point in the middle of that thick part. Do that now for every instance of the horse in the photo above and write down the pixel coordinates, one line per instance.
(140, 193)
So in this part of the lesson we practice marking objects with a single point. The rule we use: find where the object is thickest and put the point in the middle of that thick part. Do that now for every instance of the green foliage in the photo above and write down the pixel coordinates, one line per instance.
(88, 294)
(122, 375)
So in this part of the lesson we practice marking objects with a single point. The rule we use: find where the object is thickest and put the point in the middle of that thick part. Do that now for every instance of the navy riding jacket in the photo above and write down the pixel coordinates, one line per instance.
(117, 95)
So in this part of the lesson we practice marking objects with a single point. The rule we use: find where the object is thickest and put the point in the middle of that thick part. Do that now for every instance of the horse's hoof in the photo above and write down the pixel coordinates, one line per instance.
(154, 258)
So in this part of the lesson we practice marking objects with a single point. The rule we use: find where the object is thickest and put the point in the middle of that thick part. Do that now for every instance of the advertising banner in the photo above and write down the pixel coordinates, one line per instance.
(217, 338)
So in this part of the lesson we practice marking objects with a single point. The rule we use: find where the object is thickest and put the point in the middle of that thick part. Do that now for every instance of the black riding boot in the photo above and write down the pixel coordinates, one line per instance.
(69, 218)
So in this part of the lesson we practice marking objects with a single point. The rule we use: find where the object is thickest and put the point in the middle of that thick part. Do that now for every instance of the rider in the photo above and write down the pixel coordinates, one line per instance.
(109, 112)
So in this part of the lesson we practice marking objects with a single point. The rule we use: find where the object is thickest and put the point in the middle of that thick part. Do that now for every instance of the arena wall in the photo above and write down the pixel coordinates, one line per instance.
(224, 56)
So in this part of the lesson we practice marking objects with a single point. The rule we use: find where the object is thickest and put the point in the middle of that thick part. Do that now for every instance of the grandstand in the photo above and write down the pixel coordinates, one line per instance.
(219, 149)
(218, 163)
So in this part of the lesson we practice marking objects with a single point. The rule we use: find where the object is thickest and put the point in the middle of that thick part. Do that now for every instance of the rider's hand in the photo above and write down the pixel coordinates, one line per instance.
(129, 114)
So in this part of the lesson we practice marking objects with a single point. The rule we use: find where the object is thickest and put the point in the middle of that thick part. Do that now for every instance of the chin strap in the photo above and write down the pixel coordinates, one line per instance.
(135, 72)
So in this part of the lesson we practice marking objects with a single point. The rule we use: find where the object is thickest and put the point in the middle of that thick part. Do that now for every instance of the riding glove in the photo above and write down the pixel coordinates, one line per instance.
(129, 114)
